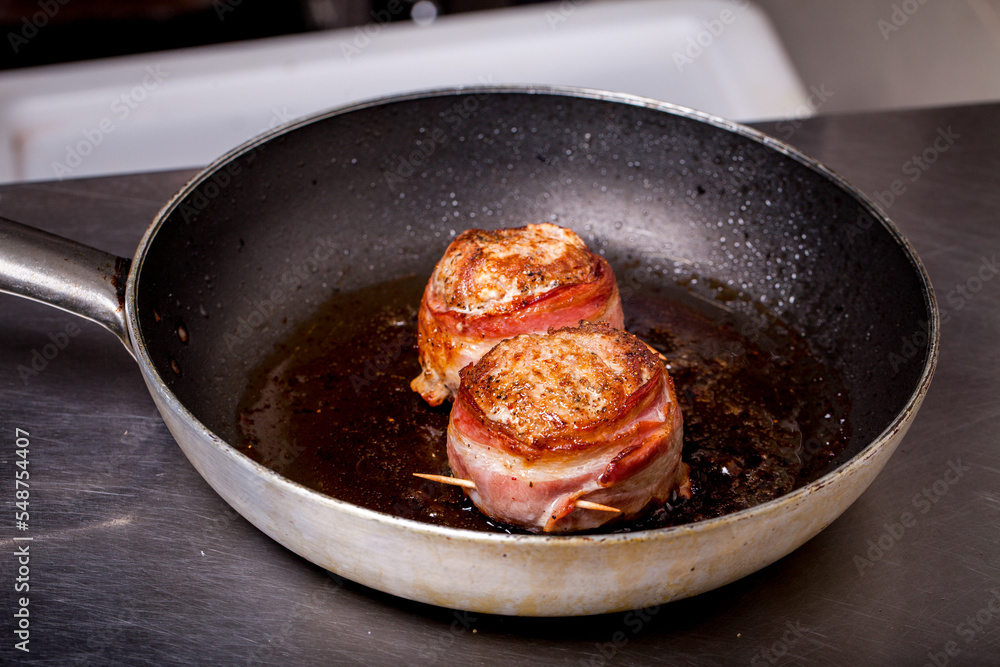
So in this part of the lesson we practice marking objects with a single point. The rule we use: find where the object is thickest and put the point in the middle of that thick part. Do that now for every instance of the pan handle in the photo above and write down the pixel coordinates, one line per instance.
(65, 274)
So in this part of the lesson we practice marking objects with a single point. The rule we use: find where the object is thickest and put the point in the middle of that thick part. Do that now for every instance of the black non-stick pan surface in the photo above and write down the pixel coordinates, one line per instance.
(376, 193)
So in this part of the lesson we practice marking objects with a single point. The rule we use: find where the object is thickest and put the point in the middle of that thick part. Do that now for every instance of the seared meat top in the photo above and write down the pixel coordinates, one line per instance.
(551, 386)
(492, 272)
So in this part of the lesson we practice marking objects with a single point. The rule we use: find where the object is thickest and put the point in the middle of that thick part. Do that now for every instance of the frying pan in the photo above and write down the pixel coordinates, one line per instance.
(374, 191)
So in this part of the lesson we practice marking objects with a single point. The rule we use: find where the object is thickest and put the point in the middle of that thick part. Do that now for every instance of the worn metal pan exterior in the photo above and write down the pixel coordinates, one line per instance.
(374, 191)
(523, 575)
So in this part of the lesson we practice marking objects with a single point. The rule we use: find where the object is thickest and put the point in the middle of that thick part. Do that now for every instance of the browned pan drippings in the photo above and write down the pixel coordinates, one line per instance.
(332, 408)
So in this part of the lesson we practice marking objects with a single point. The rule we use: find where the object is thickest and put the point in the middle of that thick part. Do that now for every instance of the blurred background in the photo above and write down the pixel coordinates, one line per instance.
(91, 87)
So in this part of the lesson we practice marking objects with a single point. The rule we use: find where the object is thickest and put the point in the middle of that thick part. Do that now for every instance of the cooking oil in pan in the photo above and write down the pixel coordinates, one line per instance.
(331, 408)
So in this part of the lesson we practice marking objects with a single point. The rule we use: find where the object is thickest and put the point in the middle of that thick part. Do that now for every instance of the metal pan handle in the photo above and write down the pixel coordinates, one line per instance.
(65, 274)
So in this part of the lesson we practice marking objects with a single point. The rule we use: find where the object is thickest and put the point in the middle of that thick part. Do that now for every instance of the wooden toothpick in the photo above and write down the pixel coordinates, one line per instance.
(454, 481)
(469, 484)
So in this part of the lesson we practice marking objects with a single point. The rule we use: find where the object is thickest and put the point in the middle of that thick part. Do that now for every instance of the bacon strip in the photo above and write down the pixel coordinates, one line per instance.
(580, 414)
(490, 286)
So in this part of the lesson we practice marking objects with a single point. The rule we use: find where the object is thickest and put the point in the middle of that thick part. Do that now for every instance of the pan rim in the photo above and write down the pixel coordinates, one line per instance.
(778, 504)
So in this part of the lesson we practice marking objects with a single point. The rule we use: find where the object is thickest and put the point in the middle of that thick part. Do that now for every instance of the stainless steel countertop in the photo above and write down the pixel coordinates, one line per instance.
(135, 560)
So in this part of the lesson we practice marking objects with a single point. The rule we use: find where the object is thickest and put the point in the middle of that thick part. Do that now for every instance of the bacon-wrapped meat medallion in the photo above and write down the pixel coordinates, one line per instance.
(492, 285)
(586, 413)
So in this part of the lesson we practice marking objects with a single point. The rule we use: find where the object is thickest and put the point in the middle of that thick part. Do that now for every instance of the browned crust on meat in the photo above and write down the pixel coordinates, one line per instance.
(520, 263)
(553, 392)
